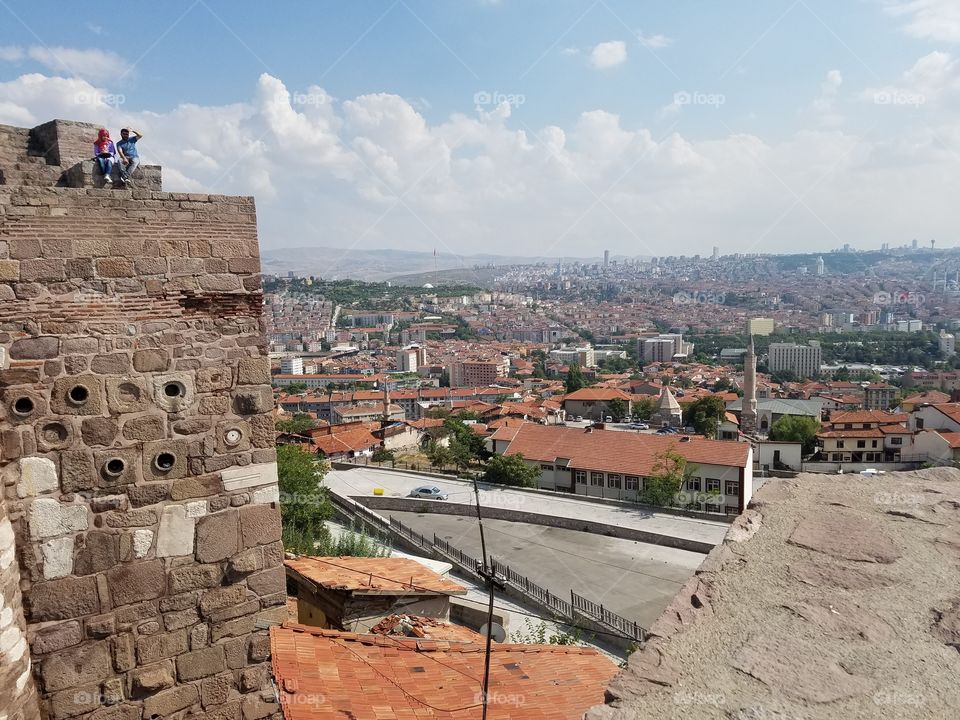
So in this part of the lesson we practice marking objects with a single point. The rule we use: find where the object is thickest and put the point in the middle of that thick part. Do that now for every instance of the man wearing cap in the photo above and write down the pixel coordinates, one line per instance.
(129, 158)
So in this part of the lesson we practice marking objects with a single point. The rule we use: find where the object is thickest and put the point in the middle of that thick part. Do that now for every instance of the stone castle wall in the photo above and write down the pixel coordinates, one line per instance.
(136, 451)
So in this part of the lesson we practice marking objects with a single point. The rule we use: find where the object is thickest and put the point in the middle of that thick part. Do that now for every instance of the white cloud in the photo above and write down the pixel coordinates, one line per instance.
(823, 106)
(932, 79)
(654, 42)
(90, 64)
(928, 19)
(608, 54)
(329, 172)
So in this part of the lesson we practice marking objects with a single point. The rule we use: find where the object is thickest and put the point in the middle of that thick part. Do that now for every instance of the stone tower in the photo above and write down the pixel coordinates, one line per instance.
(748, 408)
(136, 445)
(669, 413)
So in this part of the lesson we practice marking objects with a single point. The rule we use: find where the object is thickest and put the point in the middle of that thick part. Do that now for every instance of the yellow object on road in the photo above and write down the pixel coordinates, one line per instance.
(378, 491)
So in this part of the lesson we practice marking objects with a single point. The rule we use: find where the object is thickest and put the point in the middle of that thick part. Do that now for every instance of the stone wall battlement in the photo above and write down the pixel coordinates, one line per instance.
(139, 519)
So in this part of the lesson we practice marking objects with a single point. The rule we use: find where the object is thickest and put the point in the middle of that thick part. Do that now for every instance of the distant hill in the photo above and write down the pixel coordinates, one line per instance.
(385, 264)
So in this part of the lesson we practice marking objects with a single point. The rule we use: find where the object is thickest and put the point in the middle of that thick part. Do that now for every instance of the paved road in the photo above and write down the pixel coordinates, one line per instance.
(362, 481)
(633, 579)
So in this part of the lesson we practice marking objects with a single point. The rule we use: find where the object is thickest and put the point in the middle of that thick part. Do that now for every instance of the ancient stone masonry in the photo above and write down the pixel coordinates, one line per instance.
(136, 447)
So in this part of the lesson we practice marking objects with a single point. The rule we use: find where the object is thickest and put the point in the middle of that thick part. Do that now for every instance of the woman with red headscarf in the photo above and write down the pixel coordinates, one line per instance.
(105, 153)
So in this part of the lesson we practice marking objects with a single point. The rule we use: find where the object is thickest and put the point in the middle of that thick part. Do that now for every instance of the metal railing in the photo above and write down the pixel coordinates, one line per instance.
(569, 611)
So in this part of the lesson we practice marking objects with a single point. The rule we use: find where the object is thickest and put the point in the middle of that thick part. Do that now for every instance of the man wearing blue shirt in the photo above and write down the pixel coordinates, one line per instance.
(129, 158)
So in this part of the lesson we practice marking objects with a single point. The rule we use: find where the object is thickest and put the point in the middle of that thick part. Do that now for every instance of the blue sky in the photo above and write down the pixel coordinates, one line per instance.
(625, 124)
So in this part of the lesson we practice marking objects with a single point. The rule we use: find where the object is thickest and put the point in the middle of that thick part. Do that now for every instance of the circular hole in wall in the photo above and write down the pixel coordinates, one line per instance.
(54, 433)
(114, 467)
(165, 461)
(233, 436)
(23, 406)
(174, 389)
(78, 394)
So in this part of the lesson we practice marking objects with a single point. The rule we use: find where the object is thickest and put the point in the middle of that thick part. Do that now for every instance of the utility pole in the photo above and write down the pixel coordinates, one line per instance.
(485, 570)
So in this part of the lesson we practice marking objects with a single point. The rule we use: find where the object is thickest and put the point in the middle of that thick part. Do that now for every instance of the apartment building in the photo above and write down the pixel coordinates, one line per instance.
(803, 360)
(582, 356)
(291, 366)
(879, 396)
(760, 326)
(611, 464)
(663, 347)
(411, 358)
(477, 373)
(867, 436)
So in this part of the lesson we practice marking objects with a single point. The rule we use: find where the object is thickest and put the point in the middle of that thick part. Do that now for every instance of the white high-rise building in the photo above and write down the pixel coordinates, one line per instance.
(948, 343)
(803, 360)
(291, 366)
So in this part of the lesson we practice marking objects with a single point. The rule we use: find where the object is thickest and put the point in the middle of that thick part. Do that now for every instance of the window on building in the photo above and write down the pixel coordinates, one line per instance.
(919, 422)
(632, 482)
(731, 487)
(580, 477)
(873, 443)
(896, 441)
(861, 443)
(837, 457)
(713, 485)
(693, 484)
(839, 444)
(546, 467)
(714, 507)
(614, 481)
(596, 479)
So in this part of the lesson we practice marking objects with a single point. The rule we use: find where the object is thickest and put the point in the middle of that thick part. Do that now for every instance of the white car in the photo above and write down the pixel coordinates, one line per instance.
(872, 471)
(430, 492)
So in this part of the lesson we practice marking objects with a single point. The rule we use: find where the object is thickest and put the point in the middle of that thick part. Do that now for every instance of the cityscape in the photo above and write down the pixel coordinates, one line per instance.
(487, 359)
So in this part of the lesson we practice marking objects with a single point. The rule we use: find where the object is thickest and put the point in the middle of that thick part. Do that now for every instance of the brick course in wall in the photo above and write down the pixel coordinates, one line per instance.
(136, 453)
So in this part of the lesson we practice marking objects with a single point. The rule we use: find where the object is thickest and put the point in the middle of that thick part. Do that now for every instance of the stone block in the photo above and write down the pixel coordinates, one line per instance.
(9, 270)
(244, 563)
(263, 432)
(148, 494)
(44, 347)
(199, 636)
(259, 648)
(50, 518)
(81, 665)
(157, 647)
(152, 679)
(179, 601)
(145, 427)
(122, 650)
(181, 619)
(111, 364)
(57, 434)
(194, 577)
(221, 598)
(254, 678)
(213, 405)
(99, 431)
(235, 611)
(57, 557)
(142, 542)
(37, 476)
(218, 536)
(236, 652)
(56, 638)
(219, 282)
(233, 628)
(130, 583)
(100, 627)
(97, 552)
(168, 702)
(268, 582)
(79, 395)
(195, 487)
(173, 392)
(201, 663)
(266, 495)
(139, 517)
(151, 360)
(115, 267)
(253, 371)
(132, 614)
(76, 471)
(117, 467)
(65, 599)
(255, 707)
(76, 701)
(127, 395)
(253, 400)
(165, 459)
(211, 379)
(176, 534)
(260, 525)
(232, 437)
(125, 711)
(216, 690)
(241, 478)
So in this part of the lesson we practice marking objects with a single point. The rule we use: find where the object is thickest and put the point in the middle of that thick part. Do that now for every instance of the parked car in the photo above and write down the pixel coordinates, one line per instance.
(578, 418)
(872, 471)
(644, 426)
(429, 492)
(608, 419)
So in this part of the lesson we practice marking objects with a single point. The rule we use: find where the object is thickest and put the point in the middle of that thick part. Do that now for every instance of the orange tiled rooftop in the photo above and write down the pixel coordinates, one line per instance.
(330, 674)
(374, 576)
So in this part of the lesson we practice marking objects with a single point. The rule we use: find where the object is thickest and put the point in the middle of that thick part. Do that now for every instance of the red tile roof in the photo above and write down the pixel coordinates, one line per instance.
(374, 576)
(326, 674)
(931, 397)
(868, 416)
(612, 451)
(951, 410)
(597, 394)
(425, 627)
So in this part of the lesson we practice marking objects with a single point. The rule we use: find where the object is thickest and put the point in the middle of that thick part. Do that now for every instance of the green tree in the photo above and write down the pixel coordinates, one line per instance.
(296, 425)
(511, 470)
(296, 388)
(381, 454)
(796, 428)
(463, 434)
(705, 415)
(617, 409)
(439, 455)
(461, 453)
(663, 484)
(304, 505)
(644, 408)
(575, 379)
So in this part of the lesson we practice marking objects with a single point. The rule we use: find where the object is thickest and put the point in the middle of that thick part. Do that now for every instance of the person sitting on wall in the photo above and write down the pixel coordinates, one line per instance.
(104, 152)
(129, 158)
